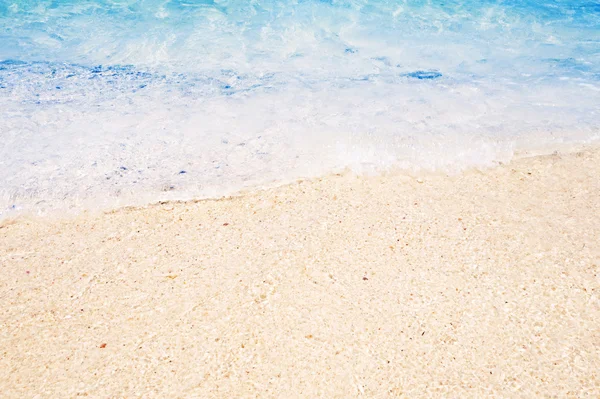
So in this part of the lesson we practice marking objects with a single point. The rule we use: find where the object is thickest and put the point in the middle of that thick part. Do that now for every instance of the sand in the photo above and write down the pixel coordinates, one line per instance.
(483, 284)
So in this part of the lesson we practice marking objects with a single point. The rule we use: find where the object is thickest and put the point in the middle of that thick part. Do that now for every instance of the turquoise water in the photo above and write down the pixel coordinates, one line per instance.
(108, 103)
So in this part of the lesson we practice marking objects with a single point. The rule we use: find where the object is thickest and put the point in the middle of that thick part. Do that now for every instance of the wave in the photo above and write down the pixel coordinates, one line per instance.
(108, 103)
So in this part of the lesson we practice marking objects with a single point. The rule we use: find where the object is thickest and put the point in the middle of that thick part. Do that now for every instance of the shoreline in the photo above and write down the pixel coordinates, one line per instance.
(75, 212)
(479, 284)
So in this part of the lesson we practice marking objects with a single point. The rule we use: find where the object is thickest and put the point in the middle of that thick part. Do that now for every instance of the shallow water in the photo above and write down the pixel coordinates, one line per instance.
(108, 103)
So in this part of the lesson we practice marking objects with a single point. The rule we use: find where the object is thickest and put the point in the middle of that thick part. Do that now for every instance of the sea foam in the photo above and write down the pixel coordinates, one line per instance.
(109, 103)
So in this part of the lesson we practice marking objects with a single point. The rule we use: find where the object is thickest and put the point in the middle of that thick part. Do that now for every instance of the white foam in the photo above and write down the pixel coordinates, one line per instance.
(108, 102)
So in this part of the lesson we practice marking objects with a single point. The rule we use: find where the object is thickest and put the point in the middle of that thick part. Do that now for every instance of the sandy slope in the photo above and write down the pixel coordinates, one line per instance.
(482, 284)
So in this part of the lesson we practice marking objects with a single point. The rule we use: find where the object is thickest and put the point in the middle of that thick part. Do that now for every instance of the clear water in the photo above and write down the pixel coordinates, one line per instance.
(107, 103)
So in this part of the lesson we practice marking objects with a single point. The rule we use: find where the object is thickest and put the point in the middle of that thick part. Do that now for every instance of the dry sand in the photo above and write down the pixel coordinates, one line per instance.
(479, 285)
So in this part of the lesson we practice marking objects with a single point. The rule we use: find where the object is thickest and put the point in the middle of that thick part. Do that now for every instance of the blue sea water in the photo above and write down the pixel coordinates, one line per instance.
(115, 102)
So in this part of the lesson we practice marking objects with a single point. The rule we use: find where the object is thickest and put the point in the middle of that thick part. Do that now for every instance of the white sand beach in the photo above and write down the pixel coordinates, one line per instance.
(482, 284)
